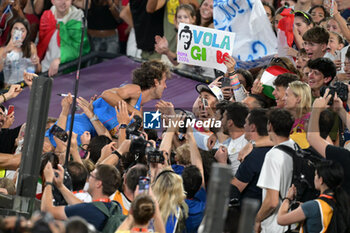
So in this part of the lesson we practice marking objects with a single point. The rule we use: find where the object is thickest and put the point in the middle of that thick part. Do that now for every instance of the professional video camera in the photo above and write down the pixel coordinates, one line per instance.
(141, 147)
(132, 130)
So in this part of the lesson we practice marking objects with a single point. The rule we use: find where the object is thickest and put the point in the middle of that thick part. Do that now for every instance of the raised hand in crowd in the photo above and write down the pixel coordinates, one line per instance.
(230, 63)
(337, 16)
(122, 113)
(74, 148)
(161, 46)
(196, 158)
(13, 92)
(216, 82)
(10, 118)
(107, 151)
(59, 176)
(113, 157)
(62, 120)
(166, 108)
(58, 181)
(48, 173)
(211, 141)
(257, 87)
(88, 109)
(28, 78)
(86, 106)
(313, 132)
(124, 119)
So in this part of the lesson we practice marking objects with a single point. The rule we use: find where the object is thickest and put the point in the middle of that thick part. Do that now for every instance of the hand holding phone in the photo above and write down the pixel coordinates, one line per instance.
(10, 109)
(205, 102)
(225, 82)
(59, 133)
(144, 184)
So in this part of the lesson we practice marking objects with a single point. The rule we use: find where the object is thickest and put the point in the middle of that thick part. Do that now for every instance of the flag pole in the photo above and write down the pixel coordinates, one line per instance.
(77, 77)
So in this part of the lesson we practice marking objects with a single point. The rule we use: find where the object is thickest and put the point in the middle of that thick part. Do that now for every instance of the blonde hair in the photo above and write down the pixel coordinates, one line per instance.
(183, 155)
(170, 194)
(303, 91)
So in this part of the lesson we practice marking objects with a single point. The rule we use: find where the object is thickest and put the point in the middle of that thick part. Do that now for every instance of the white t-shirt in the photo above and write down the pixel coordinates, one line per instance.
(276, 173)
(235, 146)
(84, 196)
(202, 141)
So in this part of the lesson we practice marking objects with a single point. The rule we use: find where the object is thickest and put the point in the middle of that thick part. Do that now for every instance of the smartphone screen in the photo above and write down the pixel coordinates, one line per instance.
(143, 184)
(59, 133)
(11, 109)
(225, 82)
(205, 102)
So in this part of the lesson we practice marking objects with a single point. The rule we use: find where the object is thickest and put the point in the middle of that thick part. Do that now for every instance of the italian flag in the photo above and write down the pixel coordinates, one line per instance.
(269, 76)
(68, 36)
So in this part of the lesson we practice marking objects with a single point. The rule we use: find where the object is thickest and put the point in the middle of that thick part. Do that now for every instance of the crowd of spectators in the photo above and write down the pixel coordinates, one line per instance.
(121, 177)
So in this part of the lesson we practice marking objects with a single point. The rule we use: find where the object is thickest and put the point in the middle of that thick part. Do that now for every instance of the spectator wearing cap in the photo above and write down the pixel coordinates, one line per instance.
(206, 95)
(204, 106)
(315, 42)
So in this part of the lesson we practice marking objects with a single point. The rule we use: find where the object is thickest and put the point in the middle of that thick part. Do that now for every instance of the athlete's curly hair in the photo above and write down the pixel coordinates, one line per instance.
(150, 70)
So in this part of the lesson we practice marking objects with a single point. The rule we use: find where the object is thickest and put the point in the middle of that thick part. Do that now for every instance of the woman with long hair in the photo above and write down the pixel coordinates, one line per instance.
(297, 101)
(19, 53)
(328, 213)
(205, 14)
(170, 194)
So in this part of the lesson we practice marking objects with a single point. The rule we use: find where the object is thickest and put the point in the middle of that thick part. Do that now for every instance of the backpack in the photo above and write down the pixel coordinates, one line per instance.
(114, 215)
(303, 171)
(337, 224)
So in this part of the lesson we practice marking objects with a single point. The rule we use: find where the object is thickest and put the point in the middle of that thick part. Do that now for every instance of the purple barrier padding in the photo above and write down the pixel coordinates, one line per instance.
(97, 78)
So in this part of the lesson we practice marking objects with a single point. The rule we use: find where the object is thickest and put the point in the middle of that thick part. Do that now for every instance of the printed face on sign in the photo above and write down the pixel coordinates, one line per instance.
(186, 36)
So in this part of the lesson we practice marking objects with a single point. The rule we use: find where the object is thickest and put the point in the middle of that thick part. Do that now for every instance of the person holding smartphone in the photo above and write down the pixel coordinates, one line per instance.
(19, 53)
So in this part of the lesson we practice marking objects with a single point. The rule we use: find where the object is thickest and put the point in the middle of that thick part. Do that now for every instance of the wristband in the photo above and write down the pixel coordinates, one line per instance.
(117, 154)
(286, 198)
(232, 73)
(94, 118)
(3, 96)
(49, 183)
(123, 126)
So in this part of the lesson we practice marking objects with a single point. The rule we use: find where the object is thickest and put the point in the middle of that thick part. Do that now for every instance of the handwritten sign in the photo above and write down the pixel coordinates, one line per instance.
(255, 38)
(204, 46)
